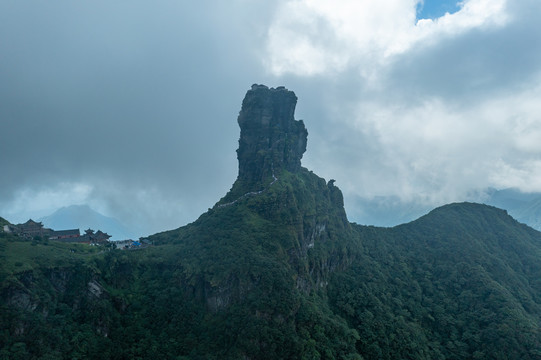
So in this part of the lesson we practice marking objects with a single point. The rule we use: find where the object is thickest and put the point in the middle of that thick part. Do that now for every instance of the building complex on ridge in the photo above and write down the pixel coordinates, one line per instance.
(31, 229)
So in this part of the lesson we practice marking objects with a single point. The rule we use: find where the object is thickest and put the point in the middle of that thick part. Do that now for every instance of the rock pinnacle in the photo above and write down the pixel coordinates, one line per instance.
(270, 138)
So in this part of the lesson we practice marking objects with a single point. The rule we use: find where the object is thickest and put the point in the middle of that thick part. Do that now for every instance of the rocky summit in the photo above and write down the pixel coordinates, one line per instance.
(270, 138)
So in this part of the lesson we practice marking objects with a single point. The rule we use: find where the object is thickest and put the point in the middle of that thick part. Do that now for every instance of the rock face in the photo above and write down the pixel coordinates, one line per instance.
(274, 189)
(270, 138)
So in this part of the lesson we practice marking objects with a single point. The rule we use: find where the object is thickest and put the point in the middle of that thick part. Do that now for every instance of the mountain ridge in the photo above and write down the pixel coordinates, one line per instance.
(466, 276)
(276, 271)
(391, 211)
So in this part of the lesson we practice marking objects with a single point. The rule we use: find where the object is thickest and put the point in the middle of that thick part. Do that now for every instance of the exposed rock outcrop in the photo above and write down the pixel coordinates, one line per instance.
(270, 138)
(276, 189)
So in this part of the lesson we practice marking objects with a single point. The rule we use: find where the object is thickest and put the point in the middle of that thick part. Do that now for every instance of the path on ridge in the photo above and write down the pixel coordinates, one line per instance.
(251, 193)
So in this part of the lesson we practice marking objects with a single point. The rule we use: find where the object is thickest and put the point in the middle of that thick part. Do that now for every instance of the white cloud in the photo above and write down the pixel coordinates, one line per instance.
(473, 13)
(423, 109)
(315, 37)
(523, 175)
(436, 151)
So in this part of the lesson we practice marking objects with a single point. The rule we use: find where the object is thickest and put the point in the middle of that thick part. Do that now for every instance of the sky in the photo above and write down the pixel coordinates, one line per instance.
(131, 107)
(433, 9)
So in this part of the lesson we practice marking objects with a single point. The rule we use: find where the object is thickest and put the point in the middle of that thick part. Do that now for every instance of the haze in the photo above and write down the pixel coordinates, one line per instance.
(131, 107)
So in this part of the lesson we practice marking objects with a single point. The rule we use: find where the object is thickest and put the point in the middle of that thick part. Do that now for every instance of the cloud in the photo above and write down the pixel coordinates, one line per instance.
(441, 152)
(137, 104)
(423, 110)
(37, 202)
(316, 37)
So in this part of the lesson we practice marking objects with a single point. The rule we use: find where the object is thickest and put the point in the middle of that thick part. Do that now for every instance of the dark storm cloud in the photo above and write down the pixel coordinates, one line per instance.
(125, 97)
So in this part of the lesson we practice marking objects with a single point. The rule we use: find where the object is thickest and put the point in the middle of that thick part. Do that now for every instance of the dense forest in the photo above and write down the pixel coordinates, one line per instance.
(276, 271)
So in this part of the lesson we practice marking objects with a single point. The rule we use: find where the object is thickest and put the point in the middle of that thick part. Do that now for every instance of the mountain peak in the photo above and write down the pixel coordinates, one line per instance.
(83, 217)
(270, 138)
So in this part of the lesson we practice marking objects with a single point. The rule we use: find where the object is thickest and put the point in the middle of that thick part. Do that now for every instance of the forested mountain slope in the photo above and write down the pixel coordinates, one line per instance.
(275, 271)
(461, 282)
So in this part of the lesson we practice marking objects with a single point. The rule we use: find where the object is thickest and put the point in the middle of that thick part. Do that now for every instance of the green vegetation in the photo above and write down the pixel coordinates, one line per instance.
(282, 275)
(459, 283)
(35, 253)
(2, 223)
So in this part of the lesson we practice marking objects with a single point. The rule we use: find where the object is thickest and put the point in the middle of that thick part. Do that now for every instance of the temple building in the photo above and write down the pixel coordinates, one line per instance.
(32, 228)
(66, 235)
(94, 238)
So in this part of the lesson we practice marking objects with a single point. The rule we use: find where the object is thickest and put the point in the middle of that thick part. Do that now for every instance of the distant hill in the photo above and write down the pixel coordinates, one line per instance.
(83, 217)
(525, 207)
(461, 282)
(391, 211)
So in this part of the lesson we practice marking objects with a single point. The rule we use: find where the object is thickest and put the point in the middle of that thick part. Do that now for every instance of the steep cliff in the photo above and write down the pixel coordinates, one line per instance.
(271, 140)
(276, 212)
(275, 189)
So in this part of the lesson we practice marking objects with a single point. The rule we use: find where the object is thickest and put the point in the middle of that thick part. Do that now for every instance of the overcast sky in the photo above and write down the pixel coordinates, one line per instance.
(131, 106)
